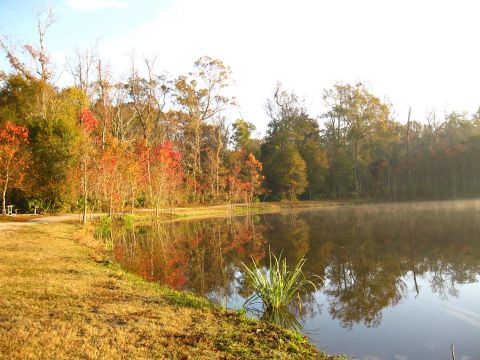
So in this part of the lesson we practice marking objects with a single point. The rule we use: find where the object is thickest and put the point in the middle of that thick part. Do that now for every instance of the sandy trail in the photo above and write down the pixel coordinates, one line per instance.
(40, 219)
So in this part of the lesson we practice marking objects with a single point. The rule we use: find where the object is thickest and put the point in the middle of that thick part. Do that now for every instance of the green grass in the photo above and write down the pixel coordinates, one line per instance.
(278, 285)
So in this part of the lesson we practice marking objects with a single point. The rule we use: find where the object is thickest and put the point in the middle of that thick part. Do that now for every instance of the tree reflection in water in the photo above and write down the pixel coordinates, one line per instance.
(202, 256)
(371, 257)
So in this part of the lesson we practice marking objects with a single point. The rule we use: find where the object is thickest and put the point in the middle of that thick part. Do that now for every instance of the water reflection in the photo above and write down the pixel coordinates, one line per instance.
(372, 258)
(282, 316)
(202, 257)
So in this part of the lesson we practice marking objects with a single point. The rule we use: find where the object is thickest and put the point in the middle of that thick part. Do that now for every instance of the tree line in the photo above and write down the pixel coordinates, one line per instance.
(147, 138)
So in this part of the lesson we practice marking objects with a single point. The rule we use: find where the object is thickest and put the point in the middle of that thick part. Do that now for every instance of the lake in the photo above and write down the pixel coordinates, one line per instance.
(400, 281)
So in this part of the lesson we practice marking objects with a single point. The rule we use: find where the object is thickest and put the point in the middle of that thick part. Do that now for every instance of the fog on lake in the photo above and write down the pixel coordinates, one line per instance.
(400, 281)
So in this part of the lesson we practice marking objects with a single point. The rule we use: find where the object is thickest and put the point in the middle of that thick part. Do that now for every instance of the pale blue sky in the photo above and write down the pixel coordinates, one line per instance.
(76, 26)
(422, 53)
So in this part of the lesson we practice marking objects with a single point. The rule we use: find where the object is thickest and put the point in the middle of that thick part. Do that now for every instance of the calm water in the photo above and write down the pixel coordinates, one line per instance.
(400, 281)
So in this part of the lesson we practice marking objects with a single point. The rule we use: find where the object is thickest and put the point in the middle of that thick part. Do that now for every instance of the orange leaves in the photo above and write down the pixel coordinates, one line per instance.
(121, 173)
(14, 157)
(161, 170)
(253, 164)
(88, 120)
(162, 155)
(12, 134)
(109, 175)
(167, 156)
(246, 179)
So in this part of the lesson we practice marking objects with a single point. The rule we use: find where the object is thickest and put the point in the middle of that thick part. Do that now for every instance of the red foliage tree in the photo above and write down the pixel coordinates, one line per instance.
(253, 173)
(246, 179)
(162, 172)
(14, 158)
(88, 123)
(108, 177)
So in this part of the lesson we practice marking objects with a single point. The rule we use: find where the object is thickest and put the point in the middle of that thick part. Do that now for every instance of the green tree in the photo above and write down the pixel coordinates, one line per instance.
(287, 173)
(357, 115)
(292, 133)
(242, 137)
(52, 125)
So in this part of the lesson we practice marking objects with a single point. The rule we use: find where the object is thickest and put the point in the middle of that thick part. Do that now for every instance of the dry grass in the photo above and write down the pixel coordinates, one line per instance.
(204, 212)
(58, 301)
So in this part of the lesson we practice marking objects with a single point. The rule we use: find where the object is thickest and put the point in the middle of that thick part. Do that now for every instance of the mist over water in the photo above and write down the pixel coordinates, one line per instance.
(400, 280)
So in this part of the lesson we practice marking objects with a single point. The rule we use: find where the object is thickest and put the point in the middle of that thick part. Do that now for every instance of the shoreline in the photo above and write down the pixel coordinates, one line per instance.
(200, 212)
(233, 335)
(173, 214)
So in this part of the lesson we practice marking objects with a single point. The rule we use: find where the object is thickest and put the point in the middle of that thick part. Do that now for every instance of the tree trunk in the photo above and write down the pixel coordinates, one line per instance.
(355, 169)
(198, 162)
(4, 203)
(4, 196)
(217, 160)
(133, 203)
(409, 178)
(85, 193)
(110, 208)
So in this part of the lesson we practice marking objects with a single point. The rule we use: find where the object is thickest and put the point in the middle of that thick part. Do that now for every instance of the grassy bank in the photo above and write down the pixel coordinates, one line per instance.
(181, 213)
(204, 212)
(60, 300)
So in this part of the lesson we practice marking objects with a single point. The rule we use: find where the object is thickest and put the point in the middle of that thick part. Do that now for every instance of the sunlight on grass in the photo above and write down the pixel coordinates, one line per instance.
(85, 308)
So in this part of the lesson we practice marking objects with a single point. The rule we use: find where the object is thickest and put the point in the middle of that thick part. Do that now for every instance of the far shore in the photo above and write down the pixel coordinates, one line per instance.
(173, 214)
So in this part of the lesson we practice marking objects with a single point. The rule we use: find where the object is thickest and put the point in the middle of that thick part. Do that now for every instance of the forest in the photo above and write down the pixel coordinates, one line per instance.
(113, 142)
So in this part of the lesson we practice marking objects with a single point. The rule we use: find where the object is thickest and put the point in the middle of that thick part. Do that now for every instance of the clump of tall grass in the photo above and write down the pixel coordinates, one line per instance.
(278, 285)
(103, 231)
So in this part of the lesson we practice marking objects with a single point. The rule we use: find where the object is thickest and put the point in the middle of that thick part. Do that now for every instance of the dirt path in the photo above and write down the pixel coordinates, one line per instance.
(30, 220)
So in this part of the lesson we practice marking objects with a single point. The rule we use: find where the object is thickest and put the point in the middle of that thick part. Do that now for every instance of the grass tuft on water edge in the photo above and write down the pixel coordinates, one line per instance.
(278, 285)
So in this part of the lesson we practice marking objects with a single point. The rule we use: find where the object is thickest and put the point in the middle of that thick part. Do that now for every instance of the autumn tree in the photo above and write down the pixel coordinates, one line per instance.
(245, 179)
(242, 137)
(201, 99)
(35, 64)
(290, 173)
(161, 168)
(14, 158)
(50, 114)
(54, 147)
(108, 177)
(87, 156)
(252, 169)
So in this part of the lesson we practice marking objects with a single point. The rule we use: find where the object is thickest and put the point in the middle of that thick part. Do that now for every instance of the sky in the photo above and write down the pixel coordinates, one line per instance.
(418, 53)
